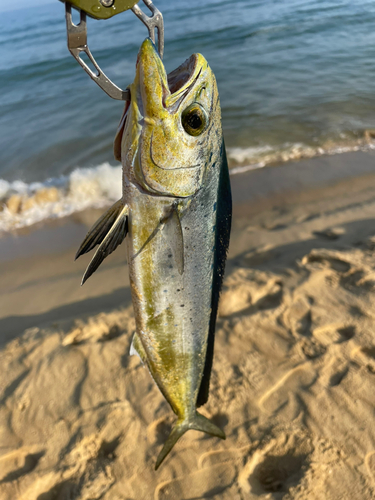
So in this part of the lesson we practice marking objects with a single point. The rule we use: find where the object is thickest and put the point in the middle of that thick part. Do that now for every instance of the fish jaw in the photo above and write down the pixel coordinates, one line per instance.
(169, 161)
(151, 82)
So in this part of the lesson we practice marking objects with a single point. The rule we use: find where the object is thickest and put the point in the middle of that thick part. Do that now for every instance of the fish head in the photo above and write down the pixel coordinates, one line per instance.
(173, 134)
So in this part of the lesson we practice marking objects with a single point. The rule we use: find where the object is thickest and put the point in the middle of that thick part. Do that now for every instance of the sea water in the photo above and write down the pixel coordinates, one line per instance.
(296, 79)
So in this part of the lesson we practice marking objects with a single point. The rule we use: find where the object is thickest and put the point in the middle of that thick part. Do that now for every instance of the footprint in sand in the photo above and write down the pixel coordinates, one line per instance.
(298, 316)
(334, 333)
(91, 486)
(278, 467)
(17, 464)
(61, 491)
(334, 371)
(351, 273)
(326, 258)
(366, 357)
(338, 377)
(277, 473)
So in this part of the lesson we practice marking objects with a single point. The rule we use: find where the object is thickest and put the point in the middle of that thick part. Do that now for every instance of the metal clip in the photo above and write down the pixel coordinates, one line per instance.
(152, 23)
(77, 43)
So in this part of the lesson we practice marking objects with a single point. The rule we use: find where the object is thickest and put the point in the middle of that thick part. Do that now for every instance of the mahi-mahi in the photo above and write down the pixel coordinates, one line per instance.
(176, 214)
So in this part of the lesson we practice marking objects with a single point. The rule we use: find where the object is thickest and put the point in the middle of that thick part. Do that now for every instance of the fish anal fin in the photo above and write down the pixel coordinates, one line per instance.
(137, 348)
(114, 236)
(195, 422)
(172, 232)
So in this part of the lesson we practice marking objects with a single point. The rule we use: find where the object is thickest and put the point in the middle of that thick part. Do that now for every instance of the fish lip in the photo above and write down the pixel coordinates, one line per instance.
(164, 168)
(177, 84)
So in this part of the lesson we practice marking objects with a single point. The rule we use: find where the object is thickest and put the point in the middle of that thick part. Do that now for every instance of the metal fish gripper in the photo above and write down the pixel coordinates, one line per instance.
(104, 9)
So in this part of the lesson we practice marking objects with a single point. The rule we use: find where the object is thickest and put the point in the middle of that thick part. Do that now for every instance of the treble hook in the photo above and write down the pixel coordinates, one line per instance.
(77, 43)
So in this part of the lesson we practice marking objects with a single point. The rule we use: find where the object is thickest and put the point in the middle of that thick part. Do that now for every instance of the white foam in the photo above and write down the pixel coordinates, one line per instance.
(245, 159)
(83, 188)
(240, 155)
(99, 186)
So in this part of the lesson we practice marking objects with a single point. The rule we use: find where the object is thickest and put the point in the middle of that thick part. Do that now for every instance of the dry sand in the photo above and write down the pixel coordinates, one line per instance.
(293, 382)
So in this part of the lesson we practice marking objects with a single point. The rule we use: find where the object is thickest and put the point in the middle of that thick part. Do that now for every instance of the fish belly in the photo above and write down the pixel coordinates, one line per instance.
(172, 306)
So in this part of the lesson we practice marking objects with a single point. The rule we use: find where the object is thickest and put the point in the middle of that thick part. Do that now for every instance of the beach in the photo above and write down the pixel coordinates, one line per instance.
(293, 382)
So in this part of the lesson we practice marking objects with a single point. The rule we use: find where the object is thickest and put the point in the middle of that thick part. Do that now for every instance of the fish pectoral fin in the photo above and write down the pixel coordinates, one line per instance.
(137, 349)
(100, 229)
(110, 232)
(172, 232)
(195, 422)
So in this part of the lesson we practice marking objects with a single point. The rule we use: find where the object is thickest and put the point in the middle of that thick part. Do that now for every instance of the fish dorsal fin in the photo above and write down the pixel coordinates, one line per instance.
(172, 232)
(110, 232)
(223, 227)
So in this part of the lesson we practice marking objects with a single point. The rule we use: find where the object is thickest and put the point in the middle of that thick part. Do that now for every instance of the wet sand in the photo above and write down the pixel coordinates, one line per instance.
(293, 382)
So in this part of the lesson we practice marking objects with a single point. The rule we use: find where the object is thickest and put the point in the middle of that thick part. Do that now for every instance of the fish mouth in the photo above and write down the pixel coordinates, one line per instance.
(161, 91)
(182, 75)
(181, 80)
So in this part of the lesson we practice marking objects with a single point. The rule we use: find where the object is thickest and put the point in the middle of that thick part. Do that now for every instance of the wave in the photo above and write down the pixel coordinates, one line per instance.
(23, 204)
(244, 159)
(26, 204)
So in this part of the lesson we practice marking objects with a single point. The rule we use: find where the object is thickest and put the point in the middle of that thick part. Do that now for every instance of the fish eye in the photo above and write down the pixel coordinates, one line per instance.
(194, 119)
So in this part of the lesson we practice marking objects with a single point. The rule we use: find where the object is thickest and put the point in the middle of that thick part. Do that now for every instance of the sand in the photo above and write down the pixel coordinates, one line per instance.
(293, 381)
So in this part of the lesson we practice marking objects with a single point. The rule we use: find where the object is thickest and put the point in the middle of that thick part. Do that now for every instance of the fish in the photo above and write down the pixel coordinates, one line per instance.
(175, 216)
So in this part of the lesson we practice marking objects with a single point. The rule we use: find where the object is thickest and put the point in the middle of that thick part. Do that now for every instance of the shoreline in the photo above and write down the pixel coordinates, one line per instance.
(280, 182)
(90, 188)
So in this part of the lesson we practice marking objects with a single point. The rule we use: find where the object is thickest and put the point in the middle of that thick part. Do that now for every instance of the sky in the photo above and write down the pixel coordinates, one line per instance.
(20, 4)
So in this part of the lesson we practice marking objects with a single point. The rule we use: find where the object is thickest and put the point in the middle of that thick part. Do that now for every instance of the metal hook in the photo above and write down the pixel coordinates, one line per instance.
(77, 43)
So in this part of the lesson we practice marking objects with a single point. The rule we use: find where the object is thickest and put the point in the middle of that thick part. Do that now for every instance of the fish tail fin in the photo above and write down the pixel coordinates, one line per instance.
(108, 232)
(195, 422)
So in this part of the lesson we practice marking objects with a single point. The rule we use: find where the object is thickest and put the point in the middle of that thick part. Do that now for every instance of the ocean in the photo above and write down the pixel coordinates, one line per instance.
(296, 79)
